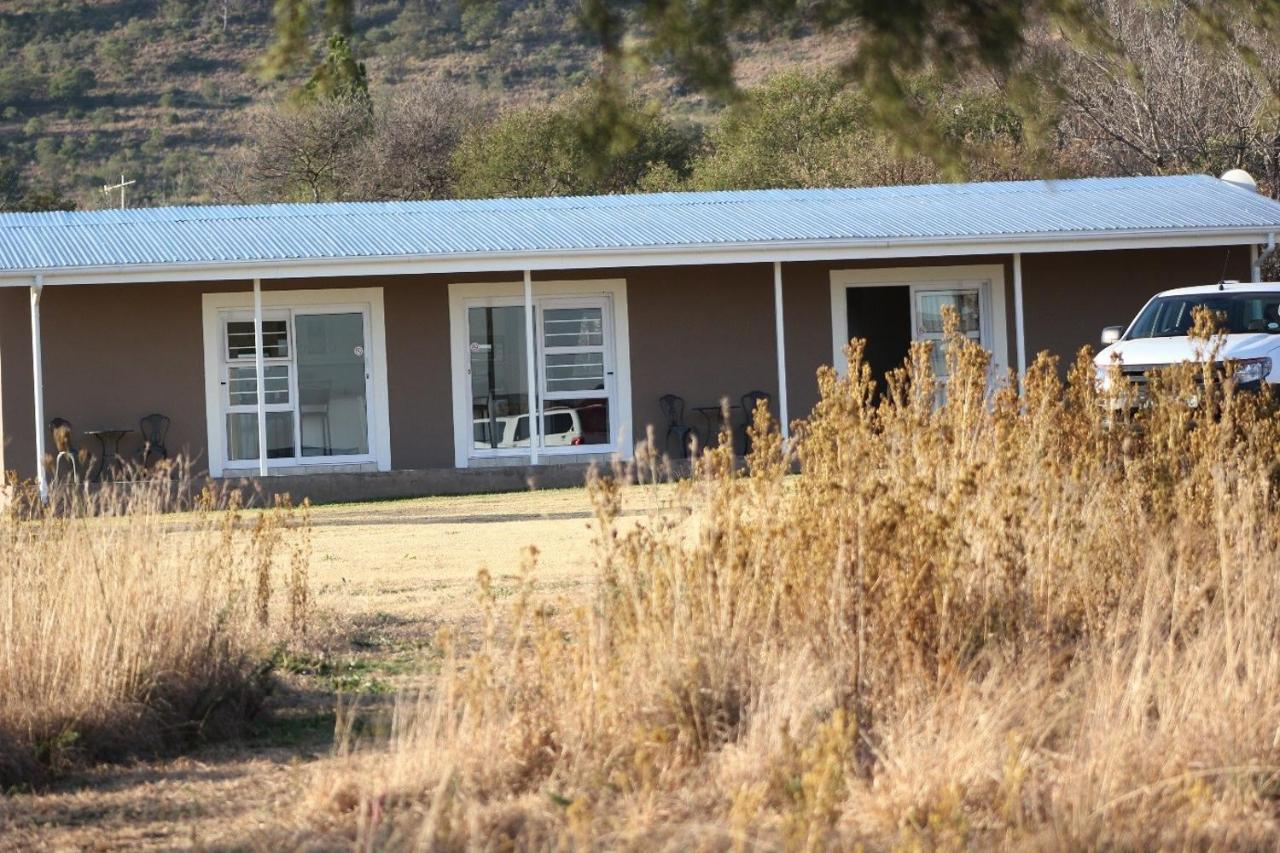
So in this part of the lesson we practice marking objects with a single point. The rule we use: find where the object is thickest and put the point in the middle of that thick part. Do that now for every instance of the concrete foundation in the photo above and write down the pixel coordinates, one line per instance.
(425, 482)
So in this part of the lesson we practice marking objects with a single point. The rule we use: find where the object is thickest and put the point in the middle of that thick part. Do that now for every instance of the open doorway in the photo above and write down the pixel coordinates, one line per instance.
(890, 308)
(882, 317)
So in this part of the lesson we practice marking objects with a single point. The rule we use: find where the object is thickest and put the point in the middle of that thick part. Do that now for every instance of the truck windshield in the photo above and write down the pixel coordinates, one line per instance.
(1239, 313)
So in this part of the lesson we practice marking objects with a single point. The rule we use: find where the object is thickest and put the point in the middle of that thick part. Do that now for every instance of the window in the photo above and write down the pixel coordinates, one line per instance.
(571, 366)
(240, 382)
(578, 374)
(322, 388)
(575, 373)
(930, 306)
(1239, 313)
(275, 339)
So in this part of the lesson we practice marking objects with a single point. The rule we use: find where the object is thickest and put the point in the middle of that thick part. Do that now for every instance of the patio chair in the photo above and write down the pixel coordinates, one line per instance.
(66, 452)
(749, 401)
(154, 429)
(673, 410)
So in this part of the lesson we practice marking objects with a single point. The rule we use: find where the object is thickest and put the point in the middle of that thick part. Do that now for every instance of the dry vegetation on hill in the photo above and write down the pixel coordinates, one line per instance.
(161, 88)
(1031, 622)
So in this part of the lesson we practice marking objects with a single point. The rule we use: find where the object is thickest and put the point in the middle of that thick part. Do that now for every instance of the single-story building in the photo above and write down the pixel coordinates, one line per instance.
(416, 336)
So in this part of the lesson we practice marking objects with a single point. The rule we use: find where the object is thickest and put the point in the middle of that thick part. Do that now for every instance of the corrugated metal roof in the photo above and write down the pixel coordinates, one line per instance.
(316, 232)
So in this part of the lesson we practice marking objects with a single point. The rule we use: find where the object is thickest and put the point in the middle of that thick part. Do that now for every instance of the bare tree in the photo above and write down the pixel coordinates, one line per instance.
(308, 152)
(330, 150)
(1171, 100)
(409, 155)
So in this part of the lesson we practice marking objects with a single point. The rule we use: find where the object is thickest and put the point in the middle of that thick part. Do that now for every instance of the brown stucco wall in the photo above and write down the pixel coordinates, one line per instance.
(17, 420)
(1068, 297)
(115, 353)
(703, 333)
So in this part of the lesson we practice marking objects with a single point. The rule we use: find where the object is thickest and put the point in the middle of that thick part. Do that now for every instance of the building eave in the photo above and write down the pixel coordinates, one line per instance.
(605, 258)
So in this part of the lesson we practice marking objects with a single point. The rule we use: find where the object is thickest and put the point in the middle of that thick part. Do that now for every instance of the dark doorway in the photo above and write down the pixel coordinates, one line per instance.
(882, 317)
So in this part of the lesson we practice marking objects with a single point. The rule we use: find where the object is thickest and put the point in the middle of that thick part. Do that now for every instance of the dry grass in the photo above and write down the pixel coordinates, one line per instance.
(121, 635)
(385, 578)
(1033, 622)
(415, 561)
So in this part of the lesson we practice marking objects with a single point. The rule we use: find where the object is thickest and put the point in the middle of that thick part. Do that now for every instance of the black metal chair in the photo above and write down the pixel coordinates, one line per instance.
(154, 429)
(673, 410)
(749, 401)
(65, 451)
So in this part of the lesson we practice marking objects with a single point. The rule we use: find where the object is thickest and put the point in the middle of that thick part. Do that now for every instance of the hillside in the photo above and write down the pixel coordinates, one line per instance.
(157, 89)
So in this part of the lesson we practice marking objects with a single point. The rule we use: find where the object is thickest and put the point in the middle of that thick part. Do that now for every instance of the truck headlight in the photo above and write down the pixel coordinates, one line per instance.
(1252, 370)
(1102, 378)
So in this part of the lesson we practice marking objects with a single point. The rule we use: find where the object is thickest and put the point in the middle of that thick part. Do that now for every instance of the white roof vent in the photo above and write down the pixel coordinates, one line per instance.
(1240, 178)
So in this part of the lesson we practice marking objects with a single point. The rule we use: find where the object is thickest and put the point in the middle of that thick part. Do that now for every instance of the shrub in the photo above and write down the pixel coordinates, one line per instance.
(1033, 620)
(548, 150)
(71, 84)
(125, 630)
(19, 84)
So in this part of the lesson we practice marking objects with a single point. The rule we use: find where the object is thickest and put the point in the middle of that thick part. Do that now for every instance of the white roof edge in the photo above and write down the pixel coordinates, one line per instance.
(600, 258)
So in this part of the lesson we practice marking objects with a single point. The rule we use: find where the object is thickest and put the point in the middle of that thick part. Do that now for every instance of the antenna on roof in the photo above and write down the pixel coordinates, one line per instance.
(120, 186)
(1222, 279)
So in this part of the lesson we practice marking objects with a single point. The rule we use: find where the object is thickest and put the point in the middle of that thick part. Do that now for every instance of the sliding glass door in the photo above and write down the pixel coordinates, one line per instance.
(574, 374)
(333, 393)
(316, 385)
(499, 375)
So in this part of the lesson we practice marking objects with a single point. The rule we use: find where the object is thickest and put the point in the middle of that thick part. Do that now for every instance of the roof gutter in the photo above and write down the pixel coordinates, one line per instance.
(607, 258)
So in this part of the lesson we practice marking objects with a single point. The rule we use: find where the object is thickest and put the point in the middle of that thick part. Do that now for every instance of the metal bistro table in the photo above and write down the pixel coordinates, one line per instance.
(109, 441)
(711, 416)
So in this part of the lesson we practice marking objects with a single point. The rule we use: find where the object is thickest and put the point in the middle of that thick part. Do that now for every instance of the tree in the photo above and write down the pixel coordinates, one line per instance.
(409, 154)
(542, 151)
(299, 152)
(339, 74)
(334, 149)
(895, 40)
(796, 130)
(16, 195)
(1171, 99)
(803, 129)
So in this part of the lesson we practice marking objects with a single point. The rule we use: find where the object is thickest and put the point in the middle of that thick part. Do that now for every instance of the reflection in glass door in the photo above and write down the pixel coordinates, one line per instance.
(575, 373)
(573, 352)
(499, 375)
(929, 305)
(333, 403)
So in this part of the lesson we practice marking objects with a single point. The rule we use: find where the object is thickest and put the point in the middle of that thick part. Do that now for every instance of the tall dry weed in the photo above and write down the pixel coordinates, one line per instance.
(977, 616)
(127, 626)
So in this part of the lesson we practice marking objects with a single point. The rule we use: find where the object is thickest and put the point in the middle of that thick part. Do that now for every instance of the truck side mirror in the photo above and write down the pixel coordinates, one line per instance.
(1111, 334)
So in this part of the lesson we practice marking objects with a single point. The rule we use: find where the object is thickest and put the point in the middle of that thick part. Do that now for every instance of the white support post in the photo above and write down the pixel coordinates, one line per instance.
(1258, 259)
(1019, 325)
(780, 337)
(530, 354)
(260, 374)
(37, 382)
(1255, 273)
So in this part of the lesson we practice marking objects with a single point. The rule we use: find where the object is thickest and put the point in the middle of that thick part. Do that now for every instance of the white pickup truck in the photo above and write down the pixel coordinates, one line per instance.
(1158, 335)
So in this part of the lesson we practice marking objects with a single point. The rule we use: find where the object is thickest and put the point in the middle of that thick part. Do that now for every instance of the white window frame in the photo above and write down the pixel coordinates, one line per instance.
(988, 278)
(617, 358)
(225, 366)
(369, 301)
